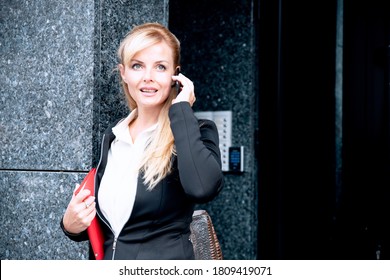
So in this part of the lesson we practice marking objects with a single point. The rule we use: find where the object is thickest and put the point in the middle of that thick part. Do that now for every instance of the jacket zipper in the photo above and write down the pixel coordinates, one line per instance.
(114, 248)
(97, 213)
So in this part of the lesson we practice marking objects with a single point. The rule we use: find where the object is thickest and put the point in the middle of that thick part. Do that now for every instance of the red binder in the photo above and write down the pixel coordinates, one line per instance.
(94, 230)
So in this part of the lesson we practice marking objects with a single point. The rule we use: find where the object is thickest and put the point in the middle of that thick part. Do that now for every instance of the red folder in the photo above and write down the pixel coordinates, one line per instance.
(94, 230)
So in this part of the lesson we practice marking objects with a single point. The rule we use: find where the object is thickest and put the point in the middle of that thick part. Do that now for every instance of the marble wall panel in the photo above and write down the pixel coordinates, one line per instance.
(57, 93)
(46, 84)
(31, 207)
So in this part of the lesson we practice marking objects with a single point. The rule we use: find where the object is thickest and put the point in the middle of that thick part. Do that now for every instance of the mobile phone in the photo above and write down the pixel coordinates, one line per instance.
(177, 83)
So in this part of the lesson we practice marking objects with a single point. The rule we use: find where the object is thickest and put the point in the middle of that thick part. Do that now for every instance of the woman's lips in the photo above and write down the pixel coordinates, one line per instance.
(148, 91)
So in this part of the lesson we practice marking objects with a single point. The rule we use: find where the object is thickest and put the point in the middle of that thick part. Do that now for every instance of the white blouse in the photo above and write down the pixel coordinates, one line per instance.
(118, 187)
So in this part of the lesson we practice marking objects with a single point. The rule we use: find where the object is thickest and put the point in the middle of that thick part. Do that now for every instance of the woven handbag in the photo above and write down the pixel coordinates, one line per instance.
(204, 238)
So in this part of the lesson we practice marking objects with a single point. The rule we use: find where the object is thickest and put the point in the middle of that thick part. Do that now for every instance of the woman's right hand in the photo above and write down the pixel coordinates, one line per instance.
(187, 93)
(80, 212)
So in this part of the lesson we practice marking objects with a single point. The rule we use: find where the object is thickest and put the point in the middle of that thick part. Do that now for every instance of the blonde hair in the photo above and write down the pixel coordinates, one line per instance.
(157, 159)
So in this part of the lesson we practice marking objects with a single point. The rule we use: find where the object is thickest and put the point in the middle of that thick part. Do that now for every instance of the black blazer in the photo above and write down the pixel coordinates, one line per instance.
(158, 227)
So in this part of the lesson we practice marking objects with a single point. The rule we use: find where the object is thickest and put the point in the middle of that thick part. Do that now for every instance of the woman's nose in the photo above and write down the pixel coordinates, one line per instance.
(148, 75)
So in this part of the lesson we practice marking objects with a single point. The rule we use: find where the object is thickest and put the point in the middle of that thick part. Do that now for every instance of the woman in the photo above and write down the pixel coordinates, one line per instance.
(156, 164)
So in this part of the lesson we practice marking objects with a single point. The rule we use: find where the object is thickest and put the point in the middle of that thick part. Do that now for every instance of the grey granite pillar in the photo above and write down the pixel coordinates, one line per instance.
(57, 93)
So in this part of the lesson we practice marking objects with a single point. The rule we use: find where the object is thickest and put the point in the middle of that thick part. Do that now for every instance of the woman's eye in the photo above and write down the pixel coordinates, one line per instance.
(136, 66)
(161, 67)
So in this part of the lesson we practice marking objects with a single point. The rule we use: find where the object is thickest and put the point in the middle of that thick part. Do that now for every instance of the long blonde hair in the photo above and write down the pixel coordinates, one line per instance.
(157, 159)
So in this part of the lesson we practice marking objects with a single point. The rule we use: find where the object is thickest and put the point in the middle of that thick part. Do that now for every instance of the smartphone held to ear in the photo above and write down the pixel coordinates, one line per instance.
(177, 83)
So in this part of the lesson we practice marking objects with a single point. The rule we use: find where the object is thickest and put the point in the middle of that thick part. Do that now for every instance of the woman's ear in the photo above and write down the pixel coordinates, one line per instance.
(122, 71)
(177, 70)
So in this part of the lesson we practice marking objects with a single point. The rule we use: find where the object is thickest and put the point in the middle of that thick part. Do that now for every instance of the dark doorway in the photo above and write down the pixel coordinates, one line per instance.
(365, 199)
(297, 83)
(302, 213)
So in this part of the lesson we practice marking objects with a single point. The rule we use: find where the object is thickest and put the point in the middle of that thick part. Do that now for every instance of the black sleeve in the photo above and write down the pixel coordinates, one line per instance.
(82, 236)
(198, 154)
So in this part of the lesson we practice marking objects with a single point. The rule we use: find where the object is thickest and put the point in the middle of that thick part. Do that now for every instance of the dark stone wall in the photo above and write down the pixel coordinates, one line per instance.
(219, 55)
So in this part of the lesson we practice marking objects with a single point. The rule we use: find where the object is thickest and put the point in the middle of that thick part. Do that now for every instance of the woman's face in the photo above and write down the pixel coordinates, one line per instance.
(149, 76)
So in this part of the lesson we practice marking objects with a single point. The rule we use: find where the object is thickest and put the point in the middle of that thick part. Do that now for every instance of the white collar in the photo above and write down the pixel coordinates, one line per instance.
(122, 132)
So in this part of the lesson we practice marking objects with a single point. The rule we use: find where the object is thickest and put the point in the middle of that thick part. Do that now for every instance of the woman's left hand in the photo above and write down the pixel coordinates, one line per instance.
(187, 93)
